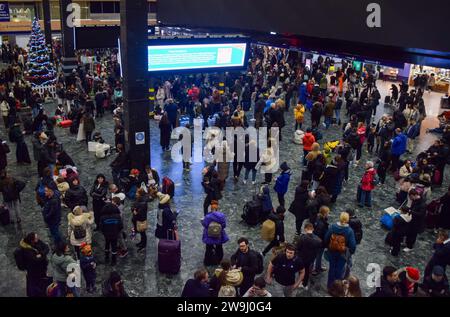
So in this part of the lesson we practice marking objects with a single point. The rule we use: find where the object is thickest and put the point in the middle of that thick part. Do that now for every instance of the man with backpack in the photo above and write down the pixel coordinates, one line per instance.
(273, 229)
(31, 256)
(341, 244)
(249, 262)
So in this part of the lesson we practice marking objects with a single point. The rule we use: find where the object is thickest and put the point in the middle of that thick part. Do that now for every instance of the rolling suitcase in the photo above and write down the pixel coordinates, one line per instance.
(4, 216)
(169, 255)
(252, 211)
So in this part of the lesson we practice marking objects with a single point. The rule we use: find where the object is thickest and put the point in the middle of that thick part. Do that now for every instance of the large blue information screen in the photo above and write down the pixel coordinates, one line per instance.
(196, 56)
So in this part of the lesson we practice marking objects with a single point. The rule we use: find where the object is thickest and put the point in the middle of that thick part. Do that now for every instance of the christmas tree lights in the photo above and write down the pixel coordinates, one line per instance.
(40, 70)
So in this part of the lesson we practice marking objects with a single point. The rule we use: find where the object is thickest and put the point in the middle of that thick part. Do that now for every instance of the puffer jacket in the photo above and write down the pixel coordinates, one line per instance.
(59, 264)
(282, 183)
(367, 182)
(110, 222)
(219, 218)
(308, 141)
(84, 220)
(76, 196)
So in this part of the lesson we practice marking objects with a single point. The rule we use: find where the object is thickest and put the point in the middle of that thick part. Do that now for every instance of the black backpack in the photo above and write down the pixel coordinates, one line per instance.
(79, 232)
(20, 260)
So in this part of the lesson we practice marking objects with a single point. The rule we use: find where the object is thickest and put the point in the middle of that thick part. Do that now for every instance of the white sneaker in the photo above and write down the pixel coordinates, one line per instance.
(253, 183)
(303, 287)
(407, 250)
(244, 181)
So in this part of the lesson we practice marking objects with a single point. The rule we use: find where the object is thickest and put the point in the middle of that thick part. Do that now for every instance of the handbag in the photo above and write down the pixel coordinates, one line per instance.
(141, 226)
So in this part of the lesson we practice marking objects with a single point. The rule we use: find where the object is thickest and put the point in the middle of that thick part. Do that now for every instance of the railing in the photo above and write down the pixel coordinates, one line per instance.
(50, 88)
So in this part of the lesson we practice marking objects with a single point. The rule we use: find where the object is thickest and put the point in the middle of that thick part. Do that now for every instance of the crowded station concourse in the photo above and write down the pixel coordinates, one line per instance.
(361, 181)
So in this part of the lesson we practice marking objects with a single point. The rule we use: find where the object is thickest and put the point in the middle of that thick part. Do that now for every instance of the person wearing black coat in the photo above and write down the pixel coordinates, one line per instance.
(139, 210)
(165, 130)
(16, 136)
(247, 261)
(316, 114)
(211, 187)
(356, 225)
(111, 225)
(298, 206)
(444, 216)
(166, 219)
(34, 255)
(98, 193)
(120, 163)
(418, 211)
(320, 230)
(76, 195)
(441, 255)
(47, 156)
(398, 232)
(10, 189)
(197, 287)
(51, 212)
(308, 246)
(113, 286)
(389, 286)
(330, 177)
(436, 285)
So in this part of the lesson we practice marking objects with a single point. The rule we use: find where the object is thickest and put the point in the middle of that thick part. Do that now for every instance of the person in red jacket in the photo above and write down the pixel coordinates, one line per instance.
(368, 184)
(308, 141)
(194, 93)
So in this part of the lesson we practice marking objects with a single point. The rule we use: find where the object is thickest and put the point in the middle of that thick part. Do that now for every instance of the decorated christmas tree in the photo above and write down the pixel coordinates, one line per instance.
(40, 70)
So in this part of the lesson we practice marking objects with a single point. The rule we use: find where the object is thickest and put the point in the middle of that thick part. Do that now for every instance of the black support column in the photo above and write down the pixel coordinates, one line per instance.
(47, 25)
(69, 61)
(133, 36)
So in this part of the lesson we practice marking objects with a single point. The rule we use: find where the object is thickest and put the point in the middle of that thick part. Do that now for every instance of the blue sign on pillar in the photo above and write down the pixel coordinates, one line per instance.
(4, 12)
(140, 138)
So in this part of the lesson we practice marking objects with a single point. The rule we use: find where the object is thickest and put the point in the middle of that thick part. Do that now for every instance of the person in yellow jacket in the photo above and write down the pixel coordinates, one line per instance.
(299, 116)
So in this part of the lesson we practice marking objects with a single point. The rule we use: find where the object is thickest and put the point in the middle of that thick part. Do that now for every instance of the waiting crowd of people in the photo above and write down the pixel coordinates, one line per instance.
(276, 84)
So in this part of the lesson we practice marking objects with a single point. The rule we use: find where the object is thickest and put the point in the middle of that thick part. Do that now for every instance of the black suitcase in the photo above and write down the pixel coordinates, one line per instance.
(169, 256)
(252, 211)
(4, 216)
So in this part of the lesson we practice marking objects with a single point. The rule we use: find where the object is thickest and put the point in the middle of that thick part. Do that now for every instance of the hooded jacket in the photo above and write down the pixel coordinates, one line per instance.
(52, 210)
(76, 196)
(345, 231)
(399, 145)
(308, 141)
(36, 266)
(59, 264)
(220, 218)
(298, 206)
(110, 222)
(266, 200)
(84, 220)
(166, 222)
(367, 181)
(282, 183)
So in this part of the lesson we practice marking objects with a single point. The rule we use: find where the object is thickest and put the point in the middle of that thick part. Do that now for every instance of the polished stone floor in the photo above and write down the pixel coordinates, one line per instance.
(139, 271)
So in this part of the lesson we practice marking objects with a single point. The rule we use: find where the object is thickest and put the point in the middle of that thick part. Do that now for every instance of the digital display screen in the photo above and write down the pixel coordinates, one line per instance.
(357, 66)
(196, 56)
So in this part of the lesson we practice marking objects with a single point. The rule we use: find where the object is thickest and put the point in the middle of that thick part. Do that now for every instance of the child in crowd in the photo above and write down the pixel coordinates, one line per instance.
(88, 266)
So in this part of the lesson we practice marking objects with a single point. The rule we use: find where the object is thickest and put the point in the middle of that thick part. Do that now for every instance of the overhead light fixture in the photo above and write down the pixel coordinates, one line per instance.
(273, 33)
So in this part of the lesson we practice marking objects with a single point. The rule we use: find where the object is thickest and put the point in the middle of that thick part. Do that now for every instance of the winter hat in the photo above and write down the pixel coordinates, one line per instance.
(413, 274)
(215, 204)
(438, 270)
(134, 172)
(86, 249)
(284, 167)
(163, 198)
